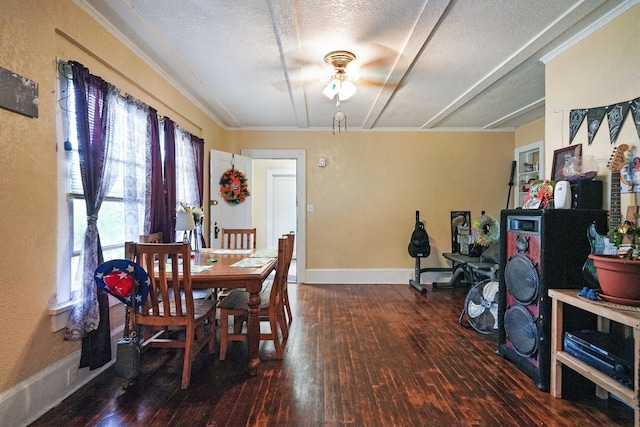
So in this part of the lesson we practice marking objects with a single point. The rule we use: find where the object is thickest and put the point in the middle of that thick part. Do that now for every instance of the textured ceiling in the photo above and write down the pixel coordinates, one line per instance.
(436, 64)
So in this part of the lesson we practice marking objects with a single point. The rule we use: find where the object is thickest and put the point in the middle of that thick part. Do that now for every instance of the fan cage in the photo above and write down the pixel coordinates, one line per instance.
(481, 306)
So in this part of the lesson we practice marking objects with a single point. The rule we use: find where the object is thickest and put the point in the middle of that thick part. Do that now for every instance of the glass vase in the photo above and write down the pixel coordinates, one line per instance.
(197, 244)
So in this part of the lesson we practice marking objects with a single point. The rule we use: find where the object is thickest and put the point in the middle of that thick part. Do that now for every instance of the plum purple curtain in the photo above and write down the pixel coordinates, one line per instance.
(159, 213)
(170, 177)
(198, 154)
(89, 319)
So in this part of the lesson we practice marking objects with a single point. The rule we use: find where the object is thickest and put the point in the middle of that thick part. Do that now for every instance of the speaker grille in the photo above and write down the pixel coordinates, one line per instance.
(521, 330)
(521, 278)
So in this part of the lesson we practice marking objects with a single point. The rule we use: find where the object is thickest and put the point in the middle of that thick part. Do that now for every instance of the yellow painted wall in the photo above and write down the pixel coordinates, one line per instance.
(530, 132)
(366, 197)
(601, 70)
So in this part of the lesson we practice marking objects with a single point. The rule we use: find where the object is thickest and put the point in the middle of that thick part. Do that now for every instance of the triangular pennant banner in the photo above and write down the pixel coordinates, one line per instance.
(615, 116)
(635, 113)
(594, 120)
(576, 117)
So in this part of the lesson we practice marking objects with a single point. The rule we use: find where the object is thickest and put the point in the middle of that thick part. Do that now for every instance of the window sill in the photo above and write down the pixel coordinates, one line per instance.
(60, 313)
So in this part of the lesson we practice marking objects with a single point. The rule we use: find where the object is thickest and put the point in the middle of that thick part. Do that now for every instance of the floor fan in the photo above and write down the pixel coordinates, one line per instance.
(481, 306)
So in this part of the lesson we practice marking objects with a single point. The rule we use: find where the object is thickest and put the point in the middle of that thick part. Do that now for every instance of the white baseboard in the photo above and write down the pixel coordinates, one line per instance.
(28, 400)
(373, 276)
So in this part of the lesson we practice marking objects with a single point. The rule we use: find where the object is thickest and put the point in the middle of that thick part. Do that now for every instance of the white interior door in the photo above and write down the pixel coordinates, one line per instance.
(281, 204)
(223, 214)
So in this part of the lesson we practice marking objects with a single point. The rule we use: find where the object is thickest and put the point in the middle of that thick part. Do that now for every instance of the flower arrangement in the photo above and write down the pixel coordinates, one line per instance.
(485, 229)
(234, 186)
(626, 238)
(197, 212)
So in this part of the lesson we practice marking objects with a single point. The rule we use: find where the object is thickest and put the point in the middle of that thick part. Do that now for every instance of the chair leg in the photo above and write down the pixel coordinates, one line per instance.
(273, 323)
(211, 325)
(284, 327)
(186, 365)
(224, 334)
(287, 306)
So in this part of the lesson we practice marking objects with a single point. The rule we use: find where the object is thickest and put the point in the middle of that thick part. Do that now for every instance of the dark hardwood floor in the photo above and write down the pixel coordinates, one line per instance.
(358, 355)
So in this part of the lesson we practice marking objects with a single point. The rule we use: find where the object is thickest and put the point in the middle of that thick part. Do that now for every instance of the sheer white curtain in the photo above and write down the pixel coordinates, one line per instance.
(136, 170)
(187, 183)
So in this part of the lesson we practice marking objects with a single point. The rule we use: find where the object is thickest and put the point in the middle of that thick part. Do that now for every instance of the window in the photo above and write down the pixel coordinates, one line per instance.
(124, 213)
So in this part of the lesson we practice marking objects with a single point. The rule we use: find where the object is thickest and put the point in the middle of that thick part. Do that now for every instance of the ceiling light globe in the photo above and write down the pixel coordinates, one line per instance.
(332, 89)
(347, 90)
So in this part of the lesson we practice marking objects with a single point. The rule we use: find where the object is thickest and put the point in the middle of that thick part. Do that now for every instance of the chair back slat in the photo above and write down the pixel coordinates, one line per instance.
(238, 238)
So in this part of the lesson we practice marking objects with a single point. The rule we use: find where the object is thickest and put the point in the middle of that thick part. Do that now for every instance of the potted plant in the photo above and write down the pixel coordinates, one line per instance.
(619, 275)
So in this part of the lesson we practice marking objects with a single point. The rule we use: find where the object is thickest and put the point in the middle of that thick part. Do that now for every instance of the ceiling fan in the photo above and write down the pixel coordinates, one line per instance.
(340, 84)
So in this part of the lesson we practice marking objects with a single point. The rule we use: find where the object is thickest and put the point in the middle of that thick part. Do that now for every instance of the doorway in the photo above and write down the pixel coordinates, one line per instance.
(274, 168)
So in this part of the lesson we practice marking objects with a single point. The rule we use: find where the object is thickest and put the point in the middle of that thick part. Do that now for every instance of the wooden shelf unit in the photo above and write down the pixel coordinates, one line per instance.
(529, 165)
(560, 357)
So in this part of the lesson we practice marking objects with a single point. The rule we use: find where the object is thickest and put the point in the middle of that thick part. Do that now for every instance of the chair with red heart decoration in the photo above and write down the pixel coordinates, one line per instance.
(123, 279)
(169, 314)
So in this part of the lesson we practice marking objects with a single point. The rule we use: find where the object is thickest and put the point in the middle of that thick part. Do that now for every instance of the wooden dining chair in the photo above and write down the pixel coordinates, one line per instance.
(271, 309)
(170, 307)
(286, 305)
(157, 238)
(238, 238)
(151, 238)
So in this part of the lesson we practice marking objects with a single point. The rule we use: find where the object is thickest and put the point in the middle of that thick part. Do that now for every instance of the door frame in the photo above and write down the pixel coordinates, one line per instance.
(301, 199)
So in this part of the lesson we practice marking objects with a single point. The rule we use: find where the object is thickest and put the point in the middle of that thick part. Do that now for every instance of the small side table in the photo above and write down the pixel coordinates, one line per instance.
(559, 357)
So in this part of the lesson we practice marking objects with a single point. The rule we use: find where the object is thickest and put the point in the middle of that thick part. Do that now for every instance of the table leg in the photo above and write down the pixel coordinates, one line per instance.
(253, 332)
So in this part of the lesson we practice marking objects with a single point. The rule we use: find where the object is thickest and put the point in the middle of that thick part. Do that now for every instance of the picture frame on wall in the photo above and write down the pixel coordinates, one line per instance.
(559, 157)
(18, 94)
(460, 226)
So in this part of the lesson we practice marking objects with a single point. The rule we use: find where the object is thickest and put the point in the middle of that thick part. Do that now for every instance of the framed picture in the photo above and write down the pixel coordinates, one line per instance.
(18, 94)
(559, 157)
(460, 226)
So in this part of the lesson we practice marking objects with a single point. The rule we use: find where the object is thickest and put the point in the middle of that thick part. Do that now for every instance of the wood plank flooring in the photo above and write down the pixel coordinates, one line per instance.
(358, 355)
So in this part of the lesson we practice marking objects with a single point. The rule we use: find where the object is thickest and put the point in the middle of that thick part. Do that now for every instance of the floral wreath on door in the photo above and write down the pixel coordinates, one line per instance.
(234, 186)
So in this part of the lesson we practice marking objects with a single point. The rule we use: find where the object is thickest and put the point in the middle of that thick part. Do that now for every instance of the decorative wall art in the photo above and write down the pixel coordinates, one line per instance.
(460, 223)
(18, 94)
(559, 157)
(615, 113)
(630, 173)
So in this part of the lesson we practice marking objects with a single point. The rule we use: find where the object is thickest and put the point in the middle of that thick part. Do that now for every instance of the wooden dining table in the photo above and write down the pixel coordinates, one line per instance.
(252, 272)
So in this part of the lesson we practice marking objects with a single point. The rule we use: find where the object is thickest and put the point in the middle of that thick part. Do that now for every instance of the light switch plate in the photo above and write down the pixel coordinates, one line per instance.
(322, 162)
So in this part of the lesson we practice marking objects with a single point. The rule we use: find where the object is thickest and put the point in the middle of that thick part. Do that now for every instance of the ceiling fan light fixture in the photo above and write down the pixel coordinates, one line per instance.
(339, 85)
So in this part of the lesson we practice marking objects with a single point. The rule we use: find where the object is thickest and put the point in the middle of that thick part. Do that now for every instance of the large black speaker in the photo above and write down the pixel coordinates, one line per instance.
(540, 250)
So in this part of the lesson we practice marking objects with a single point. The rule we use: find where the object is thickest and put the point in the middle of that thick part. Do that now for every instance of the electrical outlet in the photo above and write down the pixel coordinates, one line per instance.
(72, 376)
(409, 275)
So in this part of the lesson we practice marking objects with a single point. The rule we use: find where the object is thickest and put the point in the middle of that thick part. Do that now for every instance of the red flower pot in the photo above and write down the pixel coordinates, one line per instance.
(619, 278)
